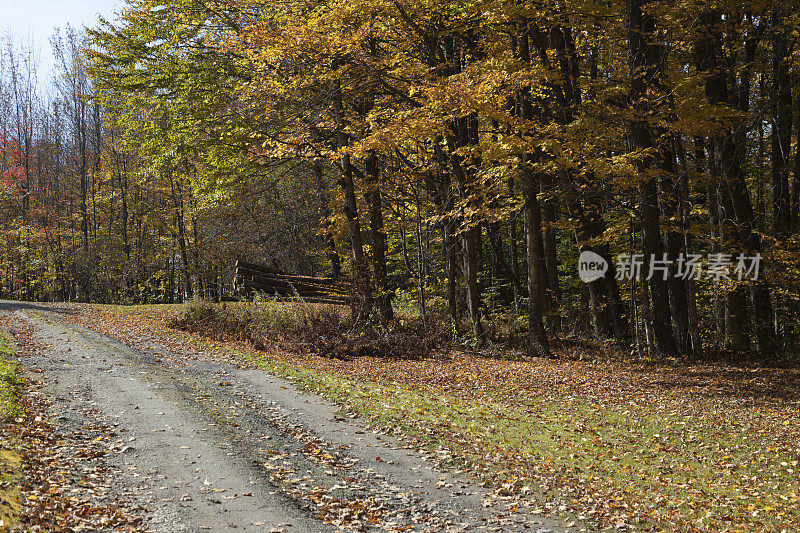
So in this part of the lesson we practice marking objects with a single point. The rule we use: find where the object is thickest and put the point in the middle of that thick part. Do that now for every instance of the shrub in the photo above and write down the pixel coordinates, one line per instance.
(326, 330)
(198, 310)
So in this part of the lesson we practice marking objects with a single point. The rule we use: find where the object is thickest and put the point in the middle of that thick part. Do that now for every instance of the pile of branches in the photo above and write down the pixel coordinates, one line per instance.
(251, 279)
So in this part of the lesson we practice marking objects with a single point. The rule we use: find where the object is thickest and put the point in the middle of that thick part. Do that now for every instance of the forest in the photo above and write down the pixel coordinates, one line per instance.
(453, 160)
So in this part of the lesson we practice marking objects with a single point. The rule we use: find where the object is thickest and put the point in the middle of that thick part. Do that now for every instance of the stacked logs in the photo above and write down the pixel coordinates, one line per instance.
(251, 278)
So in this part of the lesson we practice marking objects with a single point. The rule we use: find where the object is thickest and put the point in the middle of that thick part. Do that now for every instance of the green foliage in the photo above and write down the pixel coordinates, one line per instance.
(272, 315)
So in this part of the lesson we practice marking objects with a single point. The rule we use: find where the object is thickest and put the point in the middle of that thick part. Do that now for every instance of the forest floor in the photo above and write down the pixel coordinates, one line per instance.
(613, 444)
(128, 425)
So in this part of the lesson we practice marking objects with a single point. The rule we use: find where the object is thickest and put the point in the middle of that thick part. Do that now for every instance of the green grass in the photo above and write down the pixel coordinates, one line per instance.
(10, 381)
(10, 506)
(10, 460)
(132, 309)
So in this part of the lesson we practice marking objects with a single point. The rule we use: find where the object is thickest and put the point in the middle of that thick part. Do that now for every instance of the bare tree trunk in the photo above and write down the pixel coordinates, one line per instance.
(170, 296)
(177, 200)
(470, 243)
(734, 199)
(499, 265)
(450, 250)
(470, 240)
(551, 256)
(692, 315)
(513, 245)
(675, 246)
(451, 253)
(330, 243)
(351, 212)
(608, 312)
(81, 135)
(796, 179)
(538, 344)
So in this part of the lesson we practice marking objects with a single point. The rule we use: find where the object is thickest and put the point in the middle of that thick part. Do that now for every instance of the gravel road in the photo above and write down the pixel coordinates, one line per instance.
(203, 445)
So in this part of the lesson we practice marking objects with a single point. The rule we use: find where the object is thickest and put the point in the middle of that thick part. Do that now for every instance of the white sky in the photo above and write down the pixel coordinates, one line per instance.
(35, 21)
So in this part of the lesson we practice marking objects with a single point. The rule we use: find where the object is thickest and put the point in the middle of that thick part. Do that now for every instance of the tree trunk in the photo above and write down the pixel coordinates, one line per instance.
(378, 238)
(499, 265)
(81, 135)
(781, 125)
(647, 61)
(180, 222)
(553, 299)
(357, 244)
(737, 320)
(330, 242)
(796, 179)
(734, 198)
(538, 343)
(443, 197)
(351, 212)
(513, 245)
(470, 236)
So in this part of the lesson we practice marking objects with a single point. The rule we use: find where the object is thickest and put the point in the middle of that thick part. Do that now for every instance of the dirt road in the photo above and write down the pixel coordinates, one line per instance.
(204, 445)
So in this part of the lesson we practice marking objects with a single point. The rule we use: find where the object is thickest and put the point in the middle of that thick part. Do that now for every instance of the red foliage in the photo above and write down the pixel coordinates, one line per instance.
(12, 174)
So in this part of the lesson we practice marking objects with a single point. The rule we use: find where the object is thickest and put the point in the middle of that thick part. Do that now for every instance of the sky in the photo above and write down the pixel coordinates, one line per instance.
(36, 19)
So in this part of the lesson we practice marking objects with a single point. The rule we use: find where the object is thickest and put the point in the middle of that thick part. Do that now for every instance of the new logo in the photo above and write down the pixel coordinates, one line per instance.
(591, 266)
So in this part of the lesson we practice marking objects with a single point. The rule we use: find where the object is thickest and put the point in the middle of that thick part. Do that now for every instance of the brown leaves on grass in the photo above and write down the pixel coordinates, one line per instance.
(66, 487)
(63, 486)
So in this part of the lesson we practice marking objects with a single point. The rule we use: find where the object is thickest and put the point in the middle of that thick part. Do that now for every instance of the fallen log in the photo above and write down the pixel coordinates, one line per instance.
(251, 269)
(247, 289)
(251, 278)
(290, 292)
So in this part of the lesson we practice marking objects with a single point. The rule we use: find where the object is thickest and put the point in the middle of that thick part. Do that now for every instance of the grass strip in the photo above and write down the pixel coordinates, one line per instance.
(10, 458)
